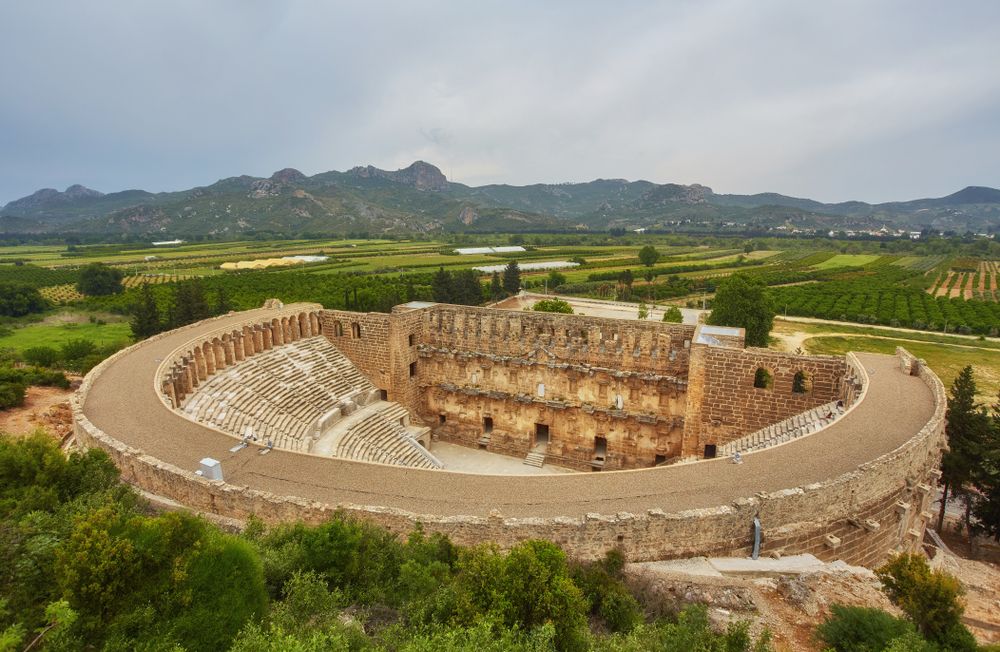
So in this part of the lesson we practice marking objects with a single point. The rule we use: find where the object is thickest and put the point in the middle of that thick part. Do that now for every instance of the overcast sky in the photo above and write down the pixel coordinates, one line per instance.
(872, 100)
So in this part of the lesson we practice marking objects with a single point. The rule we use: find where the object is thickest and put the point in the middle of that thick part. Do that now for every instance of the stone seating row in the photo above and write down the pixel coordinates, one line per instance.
(795, 426)
(382, 436)
(281, 394)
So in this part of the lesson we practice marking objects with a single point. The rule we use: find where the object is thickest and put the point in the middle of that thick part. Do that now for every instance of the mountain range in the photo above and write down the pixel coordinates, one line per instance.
(419, 198)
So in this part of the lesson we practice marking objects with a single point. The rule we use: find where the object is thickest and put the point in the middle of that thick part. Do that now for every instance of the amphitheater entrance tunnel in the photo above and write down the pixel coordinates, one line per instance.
(541, 434)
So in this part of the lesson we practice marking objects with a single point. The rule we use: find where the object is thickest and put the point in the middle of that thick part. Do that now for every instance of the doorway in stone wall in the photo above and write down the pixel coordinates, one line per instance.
(600, 448)
(541, 434)
(710, 451)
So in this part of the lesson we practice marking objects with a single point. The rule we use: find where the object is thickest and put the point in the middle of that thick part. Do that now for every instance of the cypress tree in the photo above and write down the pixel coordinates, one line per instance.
(496, 287)
(512, 278)
(145, 315)
(442, 286)
(966, 428)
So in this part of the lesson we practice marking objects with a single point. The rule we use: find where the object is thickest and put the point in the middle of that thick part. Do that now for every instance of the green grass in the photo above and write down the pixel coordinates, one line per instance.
(847, 260)
(946, 360)
(783, 326)
(47, 333)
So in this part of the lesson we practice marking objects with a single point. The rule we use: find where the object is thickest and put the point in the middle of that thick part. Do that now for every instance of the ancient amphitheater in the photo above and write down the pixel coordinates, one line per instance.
(309, 410)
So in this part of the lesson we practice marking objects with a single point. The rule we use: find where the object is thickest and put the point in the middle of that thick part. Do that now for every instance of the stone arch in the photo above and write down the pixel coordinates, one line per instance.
(304, 325)
(338, 329)
(314, 322)
(356, 330)
(801, 382)
(763, 378)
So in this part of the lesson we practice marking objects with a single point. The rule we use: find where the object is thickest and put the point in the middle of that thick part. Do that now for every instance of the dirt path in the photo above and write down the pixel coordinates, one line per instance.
(44, 407)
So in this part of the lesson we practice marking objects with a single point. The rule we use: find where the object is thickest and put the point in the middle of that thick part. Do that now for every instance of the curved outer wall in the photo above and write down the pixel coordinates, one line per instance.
(860, 516)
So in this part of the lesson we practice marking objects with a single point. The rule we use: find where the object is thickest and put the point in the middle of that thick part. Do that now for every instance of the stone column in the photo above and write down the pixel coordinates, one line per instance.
(208, 351)
(277, 333)
(293, 327)
(257, 333)
(314, 320)
(229, 349)
(239, 346)
(190, 372)
(266, 332)
(220, 354)
(201, 369)
(167, 387)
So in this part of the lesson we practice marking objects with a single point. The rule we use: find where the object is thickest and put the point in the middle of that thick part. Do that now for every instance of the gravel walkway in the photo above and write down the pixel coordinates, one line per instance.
(123, 403)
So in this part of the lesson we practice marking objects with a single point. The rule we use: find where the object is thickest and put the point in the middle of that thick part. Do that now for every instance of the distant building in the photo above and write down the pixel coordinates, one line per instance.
(467, 251)
(167, 243)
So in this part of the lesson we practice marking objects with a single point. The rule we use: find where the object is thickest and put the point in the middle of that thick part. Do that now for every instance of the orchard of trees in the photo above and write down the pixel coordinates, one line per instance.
(887, 298)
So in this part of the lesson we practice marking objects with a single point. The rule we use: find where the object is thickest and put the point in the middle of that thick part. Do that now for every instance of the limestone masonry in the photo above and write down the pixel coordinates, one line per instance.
(340, 411)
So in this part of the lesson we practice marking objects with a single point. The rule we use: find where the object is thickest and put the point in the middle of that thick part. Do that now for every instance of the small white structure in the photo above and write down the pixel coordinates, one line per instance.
(528, 267)
(210, 469)
(468, 251)
(167, 243)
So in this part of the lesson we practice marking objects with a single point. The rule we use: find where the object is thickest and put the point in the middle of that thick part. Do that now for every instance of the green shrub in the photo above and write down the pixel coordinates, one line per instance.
(43, 356)
(77, 349)
(20, 300)
(672, 314)
(526, 588)
(11, 395)
(929, 597)
(553, 305)
(861, 629)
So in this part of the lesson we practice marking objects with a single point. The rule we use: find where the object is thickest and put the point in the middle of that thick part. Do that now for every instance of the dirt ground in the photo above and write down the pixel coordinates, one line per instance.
(44, 407)
(790, 606)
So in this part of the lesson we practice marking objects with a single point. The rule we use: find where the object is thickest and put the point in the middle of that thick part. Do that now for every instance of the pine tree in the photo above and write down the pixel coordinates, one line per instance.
(512, 278)
(442, 286)
(986, 503)
(222, 305)
(466, 288)
(966, 428)
(145, 315)
(496, 287)
(189, 302)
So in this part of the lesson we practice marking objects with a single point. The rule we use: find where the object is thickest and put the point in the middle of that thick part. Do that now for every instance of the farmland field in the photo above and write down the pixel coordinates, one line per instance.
(846, 260)
(61, 327)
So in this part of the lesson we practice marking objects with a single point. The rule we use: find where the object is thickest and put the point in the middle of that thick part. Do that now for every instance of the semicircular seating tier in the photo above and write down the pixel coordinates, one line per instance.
(307, 396)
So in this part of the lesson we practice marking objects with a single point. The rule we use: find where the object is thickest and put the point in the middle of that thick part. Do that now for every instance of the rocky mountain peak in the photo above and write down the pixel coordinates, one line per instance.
(288, 175)
(76, 191)
(419, 174)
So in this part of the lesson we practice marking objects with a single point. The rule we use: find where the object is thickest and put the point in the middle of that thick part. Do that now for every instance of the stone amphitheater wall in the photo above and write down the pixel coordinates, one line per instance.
(612, 343)
(723, 403)
(859, 516)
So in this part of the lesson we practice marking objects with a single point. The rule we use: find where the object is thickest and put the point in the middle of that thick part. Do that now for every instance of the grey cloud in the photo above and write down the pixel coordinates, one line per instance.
(873, 101)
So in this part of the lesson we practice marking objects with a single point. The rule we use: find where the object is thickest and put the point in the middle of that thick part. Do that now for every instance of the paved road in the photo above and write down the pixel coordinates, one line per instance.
(124, 403)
